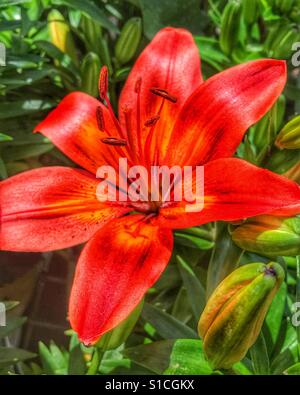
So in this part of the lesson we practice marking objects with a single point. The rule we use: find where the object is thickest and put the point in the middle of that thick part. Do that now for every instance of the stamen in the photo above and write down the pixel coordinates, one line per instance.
(163, 93)
(152, 121)
(103, 89)
(149, 217)
(100, 118)
(147, 147)
(137, 89)
(131, 146)
(138, 84)
(114, 141)
(103, 83)
(127, 114)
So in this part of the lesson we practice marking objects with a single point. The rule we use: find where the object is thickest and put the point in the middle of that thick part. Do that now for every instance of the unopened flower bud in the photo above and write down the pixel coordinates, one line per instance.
(289, 136)
(270, 236)
(234, 314)
(283, 160)
(128, 40)
(61, 35)
(230, 23)
(90, 68)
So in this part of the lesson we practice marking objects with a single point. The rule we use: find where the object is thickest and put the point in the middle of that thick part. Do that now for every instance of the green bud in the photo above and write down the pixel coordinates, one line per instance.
(230, 23)
(281, 47)
(61, 35)
(294, 173)
(250, 11)
(90, 70)
(264, 132)
(92, 33)
(282, 160)
(284, 6)
(274, 32)
(269, 236)
(234, 314)
(289, 136)
(128, 40)
(295, 14)
(114, 338)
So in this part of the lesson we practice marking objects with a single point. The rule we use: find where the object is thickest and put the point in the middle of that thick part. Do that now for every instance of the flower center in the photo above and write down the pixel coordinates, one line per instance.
(131, 144)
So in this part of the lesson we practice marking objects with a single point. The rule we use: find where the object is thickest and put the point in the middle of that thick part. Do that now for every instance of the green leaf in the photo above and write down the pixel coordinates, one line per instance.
(274, 317)
(161, 13)
(282, 361)
(243, 367)
(13, 355)
(109, 365)
(118, 335)
(9, 25)
(154, 356)
(224, 259)
(259, 356)
(77, 363)
(12, 324)
(24, 61)
(182, 309)
(187, 358)
(23, 107)
(7, 3)
(13, 153)
(211, 53)
(293, 370)
(27, 77)
(56, 54)
(57, 355)
(91, 10)
(5, 137)
(192, 241)
(166, 325)
(53, 360)
(195, 290)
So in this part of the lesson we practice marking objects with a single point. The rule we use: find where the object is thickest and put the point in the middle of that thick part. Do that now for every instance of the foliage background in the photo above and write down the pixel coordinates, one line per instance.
(161, 336)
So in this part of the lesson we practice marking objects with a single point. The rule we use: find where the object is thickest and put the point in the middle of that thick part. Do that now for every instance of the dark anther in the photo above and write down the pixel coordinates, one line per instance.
(100, 118)
(138, 85)
(152, 121)
(114, 141)
(163, 93)
(103, 82)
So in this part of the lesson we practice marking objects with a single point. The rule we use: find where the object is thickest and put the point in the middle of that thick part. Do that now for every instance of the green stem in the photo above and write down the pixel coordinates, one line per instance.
(195, 231)
(96, 362)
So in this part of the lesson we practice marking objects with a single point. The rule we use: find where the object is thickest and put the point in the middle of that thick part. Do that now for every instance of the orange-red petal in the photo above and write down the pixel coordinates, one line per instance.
(215, 118)
(170, 62)
(235, 189)
(73, 127)
(115, 269)
(51, 208)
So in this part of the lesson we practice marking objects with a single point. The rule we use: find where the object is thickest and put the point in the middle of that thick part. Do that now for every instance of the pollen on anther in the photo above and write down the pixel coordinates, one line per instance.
(100, 118)
(103, 82)
(164, 94)
(152, 121)
(114, 141)
(138, 85)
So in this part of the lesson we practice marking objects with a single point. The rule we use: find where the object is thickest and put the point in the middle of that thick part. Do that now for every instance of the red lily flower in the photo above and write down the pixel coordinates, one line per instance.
(167, 116)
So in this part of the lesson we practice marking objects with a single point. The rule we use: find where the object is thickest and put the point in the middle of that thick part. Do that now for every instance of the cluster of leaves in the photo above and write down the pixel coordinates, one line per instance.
(57, 46)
